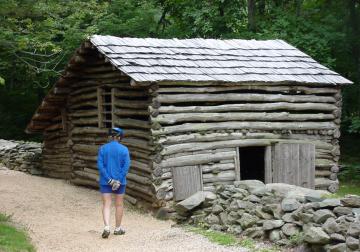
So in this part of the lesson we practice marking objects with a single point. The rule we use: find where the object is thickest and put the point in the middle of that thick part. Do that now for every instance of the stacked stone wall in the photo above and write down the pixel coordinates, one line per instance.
(277, 212)
(21, 156)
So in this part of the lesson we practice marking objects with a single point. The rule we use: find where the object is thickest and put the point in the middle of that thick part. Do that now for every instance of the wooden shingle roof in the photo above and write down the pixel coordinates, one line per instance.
(211, 60)
(194, 61)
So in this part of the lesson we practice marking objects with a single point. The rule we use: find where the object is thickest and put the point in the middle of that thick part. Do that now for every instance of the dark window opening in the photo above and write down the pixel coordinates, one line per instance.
(252, 163)
(105, 106)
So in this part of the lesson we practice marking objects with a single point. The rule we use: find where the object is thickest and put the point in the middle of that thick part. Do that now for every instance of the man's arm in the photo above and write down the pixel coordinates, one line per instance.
(101, 166)
(125, 166)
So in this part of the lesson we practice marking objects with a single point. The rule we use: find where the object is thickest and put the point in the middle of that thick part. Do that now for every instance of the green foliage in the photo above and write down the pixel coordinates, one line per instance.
(15, 113)
(37, 37)
(216, 237)
(296, 239)
(354, 124)
(248, 243)
(130, 18)
(348, 187)
(13, 239)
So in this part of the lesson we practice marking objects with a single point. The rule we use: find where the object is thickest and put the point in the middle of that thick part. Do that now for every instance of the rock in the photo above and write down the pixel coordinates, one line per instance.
(219, 189)
(352, 243)
(270, 199)
(162, 214)
(242, 191)
(288, 217)
(252, 198)
(261, 214)
(320, 216)
(212, 219)
(217, 209)
(186, 205)
(235, 229)
(249, 185)
(242, 204)
(354, 229)
(231, 219)
(305, 217)
(223, 218)
(330, 226)
(272, 224)
(351, 201)
(254, 232)
(342, 210)
(283, 242)
(209, 197)
(199, 218)
(290, 229)
(297, 192)
(343, 224)
(289, 205)
(234, 205)
(274, 209)
(261, 191)
(341, 247)
(247, 220)
(329, 203)
(314, 198)
(225, 195)
(238, 196)
(274, 235)
(356, 212)
(337, 237)
(216, 227)
(315, 235)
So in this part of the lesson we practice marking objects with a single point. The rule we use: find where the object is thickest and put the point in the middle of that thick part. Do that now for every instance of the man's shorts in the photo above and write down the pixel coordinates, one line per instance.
(107, 189)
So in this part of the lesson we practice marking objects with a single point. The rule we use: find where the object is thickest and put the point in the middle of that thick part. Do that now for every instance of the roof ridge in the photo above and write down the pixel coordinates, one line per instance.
(152, 68)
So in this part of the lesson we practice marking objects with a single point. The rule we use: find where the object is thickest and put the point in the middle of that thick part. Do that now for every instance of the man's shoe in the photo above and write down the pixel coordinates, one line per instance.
(119, 231)
(105, 233)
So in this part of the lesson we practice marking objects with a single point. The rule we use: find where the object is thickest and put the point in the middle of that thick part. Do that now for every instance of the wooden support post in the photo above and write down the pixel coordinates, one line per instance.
(99, 98)
(268, 166)
(237, 164)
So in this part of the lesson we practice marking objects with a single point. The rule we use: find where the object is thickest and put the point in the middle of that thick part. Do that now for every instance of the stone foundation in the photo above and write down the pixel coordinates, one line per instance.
(284, 214)
(21, 156)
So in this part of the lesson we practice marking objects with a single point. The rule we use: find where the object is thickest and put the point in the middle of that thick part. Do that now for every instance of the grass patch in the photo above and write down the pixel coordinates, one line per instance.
(216, 237)
(227, 239)
(350, 188)
(349, 175)
(247, 243)
(13, 239)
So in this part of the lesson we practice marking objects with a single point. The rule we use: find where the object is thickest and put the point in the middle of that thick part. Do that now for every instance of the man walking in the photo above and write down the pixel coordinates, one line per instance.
(113, 163)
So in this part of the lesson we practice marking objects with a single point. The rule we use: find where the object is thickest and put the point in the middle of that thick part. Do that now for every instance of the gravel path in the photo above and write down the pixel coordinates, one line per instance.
(63, 217)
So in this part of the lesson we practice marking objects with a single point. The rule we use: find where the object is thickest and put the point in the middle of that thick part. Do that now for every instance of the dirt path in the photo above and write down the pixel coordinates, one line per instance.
(63, 217)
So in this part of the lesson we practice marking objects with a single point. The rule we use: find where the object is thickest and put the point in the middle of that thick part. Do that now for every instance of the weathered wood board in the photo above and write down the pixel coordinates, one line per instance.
(186, 181)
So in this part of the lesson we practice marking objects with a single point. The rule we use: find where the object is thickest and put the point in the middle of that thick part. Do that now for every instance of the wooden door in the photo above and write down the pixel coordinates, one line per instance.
(187, 180)
(294, 163)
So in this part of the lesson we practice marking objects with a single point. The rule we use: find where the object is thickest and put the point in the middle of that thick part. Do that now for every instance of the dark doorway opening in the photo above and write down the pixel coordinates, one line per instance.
(252, 163)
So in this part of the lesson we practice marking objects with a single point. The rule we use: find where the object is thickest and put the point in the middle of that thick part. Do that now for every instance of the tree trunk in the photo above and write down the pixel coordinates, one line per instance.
(251, 15)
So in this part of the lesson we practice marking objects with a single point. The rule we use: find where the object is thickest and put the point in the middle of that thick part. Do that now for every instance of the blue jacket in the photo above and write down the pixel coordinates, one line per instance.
(113, 162)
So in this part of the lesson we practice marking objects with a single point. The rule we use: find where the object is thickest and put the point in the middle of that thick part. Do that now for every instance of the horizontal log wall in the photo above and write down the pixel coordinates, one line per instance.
(129, 111)
(193, 125)
(56, 154)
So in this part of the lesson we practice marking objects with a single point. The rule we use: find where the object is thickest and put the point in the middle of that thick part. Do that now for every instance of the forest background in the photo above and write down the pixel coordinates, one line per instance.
(37, 38)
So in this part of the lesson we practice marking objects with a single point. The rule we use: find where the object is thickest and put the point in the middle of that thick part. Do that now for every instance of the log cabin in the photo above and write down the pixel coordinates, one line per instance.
(197, 113)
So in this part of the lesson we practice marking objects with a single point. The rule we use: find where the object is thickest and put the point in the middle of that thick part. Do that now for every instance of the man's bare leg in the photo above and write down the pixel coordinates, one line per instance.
(106, 198)
(119, 211)
(119, 207)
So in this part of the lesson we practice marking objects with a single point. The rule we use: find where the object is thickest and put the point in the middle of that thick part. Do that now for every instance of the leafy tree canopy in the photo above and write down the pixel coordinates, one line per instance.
(37, 37)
